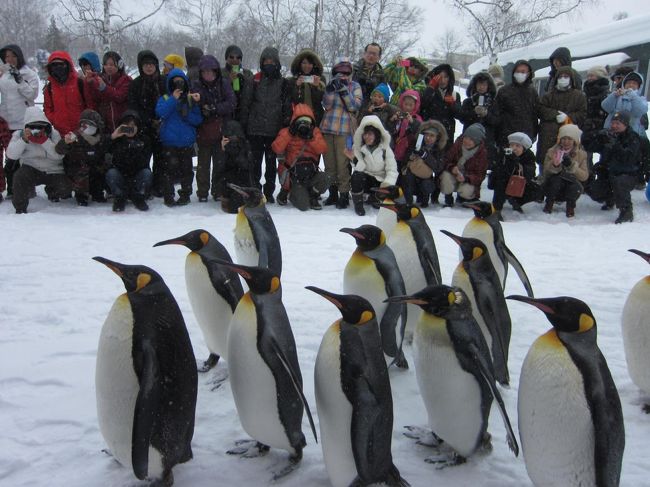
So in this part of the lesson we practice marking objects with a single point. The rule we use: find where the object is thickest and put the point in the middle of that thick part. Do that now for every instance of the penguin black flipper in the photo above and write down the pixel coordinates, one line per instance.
(147, 371)
(266, 238)
(604, 404)
(226, 282)
(426, 249)
(512, 260)
(295, 380)
(489, 379)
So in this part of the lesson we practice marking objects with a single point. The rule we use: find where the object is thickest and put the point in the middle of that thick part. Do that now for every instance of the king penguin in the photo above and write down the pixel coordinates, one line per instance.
(146, 379)
(386, 219)
(264, 371)
(256, 239)
(372, 273)
(486, 227)
(214, 290)
(353, 397)
(570, 418)
(415, 252)
(454, 372)
(476, 276)
(636, 331)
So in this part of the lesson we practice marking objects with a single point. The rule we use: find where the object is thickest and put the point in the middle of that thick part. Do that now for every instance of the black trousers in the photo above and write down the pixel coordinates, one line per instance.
(27, 178)
(622, 186)
(177, 167)
(558, 188)
(261, 148)
(210, 155)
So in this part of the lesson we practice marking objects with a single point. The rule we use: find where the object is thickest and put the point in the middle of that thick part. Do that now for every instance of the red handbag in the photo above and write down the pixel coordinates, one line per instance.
(516, 184)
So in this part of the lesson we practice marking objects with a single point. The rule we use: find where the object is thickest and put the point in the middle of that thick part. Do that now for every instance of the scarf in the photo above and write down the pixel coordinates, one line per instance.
(466, 154)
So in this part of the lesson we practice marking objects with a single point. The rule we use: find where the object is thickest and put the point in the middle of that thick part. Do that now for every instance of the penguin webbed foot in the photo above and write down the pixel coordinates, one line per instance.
(210, 363)
(166, 481)
(486, 443)
(400, 362)
(294, 461)
(646, 408)
(423, 436)
(445, 460)
(249, 449)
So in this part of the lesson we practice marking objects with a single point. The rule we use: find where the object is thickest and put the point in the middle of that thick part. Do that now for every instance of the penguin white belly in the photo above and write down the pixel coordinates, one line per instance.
(483, 232)
(334, 411)
(636, 334)
(245, 248)
(555, 425)
(386, 220)
(117, 386)
(452, 396)
(212, 312)
(252, 382)
(405, 249)
(362, 278)
(461, 279)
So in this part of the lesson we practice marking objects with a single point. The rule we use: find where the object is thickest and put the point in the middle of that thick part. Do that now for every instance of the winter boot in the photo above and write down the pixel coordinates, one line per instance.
(282, 197)
(434, 196)
(333, 197)
(139, 202)
(183, 200)
(343, 201)
(449, 201)
(269, 197)
(82, 199)
(372, 200)
(548, 207)
(118, 204)
(314, 204)
(423, 200)
(357, 200)
(625, 215)
(570, 209)
(608, 205)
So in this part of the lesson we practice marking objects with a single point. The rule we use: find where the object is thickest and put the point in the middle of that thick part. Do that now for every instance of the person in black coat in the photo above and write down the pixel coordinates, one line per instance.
(596, 89)
(439, 101)
(129, 175)
(238, 165)
(478, 107)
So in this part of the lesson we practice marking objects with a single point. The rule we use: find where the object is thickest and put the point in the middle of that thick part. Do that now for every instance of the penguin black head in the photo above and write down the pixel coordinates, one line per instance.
(194, 240)
(260, 280)
(368, 237)
(354, 309)
(438, 300)
(404, 211)
(388, 192)
(136, 278)
(482, 209)
(565, 313)
(253, 197)
(643, 255)
(472, 248)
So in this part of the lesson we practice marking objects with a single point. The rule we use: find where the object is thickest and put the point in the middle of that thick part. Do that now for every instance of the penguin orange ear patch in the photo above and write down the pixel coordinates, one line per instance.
(275, 284)
(414, 212)
(365, 317)
(451, 297)
(143, 280)
(586, 323)
(477, 252)
(204, 238)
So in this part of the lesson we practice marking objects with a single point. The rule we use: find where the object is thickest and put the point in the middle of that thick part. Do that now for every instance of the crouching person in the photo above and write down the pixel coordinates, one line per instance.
(565, 170)
(519, 160)
(35, 146)
(238, 165)
(129, 175)
(302, 144)
(421, 175)
(84, 150)
(375, 164)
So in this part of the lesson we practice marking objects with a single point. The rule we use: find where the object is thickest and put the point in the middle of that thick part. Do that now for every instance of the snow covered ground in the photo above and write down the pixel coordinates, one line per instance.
(54, 299)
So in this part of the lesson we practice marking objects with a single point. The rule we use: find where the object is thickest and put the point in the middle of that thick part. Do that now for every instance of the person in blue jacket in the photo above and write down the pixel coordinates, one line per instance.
(627, 98)
(180, 115)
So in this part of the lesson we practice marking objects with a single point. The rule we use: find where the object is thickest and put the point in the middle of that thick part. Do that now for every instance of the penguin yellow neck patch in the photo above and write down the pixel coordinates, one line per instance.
(382, 238)
(550, 339)
(414, 212)
(275, 284)
(142, 281)
(204, 238)
(365, 317)
(586, 323)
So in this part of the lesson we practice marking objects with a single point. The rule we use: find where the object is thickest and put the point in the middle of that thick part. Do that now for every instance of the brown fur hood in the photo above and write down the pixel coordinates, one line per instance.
(313, 58)
(442, 138)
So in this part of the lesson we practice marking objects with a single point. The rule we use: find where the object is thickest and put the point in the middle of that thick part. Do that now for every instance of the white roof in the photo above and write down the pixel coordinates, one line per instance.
(595, 40)
(613, 59)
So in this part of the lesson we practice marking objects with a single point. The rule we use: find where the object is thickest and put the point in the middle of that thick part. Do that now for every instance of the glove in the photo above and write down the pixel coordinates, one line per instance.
(566, 160)
(16, 74)
(331, 86)
(450, 99)
(434, 81)
(561, 117)
(480, 111)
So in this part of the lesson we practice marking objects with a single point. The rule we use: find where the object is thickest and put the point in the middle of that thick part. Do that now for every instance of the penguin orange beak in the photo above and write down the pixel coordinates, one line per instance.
(239, 189)
(173, 241)
(116, 267)
(455, 238)
(389, 206)
(643, 255)
(539, 304)
(239, 269)
(331, 297)
(353, 232)
(471, 206)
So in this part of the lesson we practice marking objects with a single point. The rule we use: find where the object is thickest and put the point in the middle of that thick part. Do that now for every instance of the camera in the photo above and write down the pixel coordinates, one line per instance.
(507, 151)
(308, 79)
(304, 130)
(405, 62)
(125, 129)
(178, 84)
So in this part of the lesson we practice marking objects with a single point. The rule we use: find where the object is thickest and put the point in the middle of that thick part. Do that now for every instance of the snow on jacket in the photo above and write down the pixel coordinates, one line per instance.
(632, 102)
(113, 100)
(378, 162)
(177, 129)
(40, 156)
(64, 102)
(16, 97)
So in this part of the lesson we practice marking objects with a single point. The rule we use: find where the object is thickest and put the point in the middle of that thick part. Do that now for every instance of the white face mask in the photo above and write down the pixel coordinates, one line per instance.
(520, 77)
(563, 83)
(90, 130)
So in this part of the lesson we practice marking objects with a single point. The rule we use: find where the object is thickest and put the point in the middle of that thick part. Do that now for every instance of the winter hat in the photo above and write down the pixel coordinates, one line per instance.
(520, 138)
(93, 118)
(634, 76)
(130, 115)
(233, 50)
(92, 59)
(496, 71)
(623, 117)
(597, 71)
(117, 59)
(209, 62)
(384, 90)
(342, 65)
(621, 71)
(476, 132)
(176, 60)
(571, 131)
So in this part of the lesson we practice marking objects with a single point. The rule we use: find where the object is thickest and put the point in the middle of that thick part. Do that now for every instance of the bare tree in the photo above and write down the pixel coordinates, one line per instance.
(23, 22)
(279, 22)
(448, 44)
(204, 18)
(97, 18)
(503, 24)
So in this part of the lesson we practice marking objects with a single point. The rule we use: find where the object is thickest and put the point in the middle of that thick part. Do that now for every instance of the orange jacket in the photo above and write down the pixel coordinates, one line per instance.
(291, 145)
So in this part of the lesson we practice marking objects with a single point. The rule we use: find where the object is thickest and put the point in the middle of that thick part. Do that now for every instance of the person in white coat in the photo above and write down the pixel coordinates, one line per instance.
(18, 90)
(375, 164)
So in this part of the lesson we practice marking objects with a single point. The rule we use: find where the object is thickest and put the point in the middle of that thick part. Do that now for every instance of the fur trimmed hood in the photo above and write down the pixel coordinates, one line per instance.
(372, 121)
(312, 57)
(442, 132)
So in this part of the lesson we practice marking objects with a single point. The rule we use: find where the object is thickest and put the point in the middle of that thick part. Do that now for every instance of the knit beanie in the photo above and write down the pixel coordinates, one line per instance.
(476, 132)
(571, 131)
(93, 118)
(176, 60)
(623, 117)
(342, 65)
(598, 71)
(384, 90)
(520, 138)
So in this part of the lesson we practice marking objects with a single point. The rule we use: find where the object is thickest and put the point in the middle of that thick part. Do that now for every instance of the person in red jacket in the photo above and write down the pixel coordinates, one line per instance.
(302, 144)
(110, 90)
(65, 95)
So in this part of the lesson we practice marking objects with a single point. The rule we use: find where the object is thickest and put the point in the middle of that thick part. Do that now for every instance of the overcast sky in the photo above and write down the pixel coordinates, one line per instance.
(590, 16)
